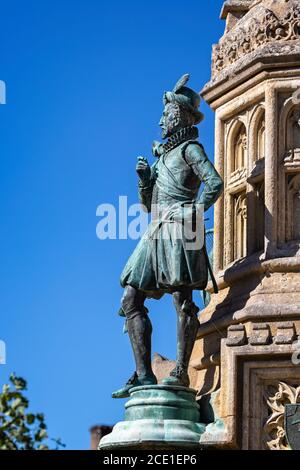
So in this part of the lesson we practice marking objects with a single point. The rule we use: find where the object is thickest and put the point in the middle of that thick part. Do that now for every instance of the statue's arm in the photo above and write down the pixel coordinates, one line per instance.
(146, 189)
(204, 169)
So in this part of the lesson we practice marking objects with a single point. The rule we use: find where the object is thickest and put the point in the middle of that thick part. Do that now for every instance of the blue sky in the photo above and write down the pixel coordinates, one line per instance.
(84, 95)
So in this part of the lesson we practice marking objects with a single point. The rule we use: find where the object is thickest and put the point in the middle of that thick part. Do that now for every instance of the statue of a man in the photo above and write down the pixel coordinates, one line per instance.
(161, 263)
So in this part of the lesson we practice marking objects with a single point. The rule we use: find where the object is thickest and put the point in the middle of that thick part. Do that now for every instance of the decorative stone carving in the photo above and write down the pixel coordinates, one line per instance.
(236, 335)
(233, 11)
(237, 176)
(237, 146)
(293, 136)
(258, 32)
(292, 160)
(240, 149)
(276, 397)
(260, 335)
(285, 333)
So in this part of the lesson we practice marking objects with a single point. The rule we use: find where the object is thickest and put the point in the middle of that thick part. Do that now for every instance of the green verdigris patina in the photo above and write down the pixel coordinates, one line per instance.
(158, 417)
(165, 260)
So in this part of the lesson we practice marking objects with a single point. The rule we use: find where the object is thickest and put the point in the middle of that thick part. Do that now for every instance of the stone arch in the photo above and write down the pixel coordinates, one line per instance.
(289, 154)
(290, 111)
(261, 139)
(257, 135)
(236, 147)
(240, 226)
(293, 207)
(293, 131)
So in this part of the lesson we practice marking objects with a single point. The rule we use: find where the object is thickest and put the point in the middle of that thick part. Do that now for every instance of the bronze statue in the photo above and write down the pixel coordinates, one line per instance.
(161, 263)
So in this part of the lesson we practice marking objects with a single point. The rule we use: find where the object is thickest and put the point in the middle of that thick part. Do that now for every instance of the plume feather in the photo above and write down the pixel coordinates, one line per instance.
(181, 82)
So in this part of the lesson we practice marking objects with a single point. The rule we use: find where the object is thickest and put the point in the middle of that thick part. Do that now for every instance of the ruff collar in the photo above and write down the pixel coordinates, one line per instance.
(187, 133)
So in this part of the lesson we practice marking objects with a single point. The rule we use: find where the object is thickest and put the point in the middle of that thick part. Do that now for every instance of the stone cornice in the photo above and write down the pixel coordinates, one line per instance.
(253, 266)
(256, 67)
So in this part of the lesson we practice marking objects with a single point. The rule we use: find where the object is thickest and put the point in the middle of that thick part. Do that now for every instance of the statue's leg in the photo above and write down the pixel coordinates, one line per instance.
(187, 327)
(139, 330)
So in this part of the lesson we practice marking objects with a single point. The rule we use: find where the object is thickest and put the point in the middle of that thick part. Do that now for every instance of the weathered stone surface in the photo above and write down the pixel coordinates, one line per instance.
(260, 334)
(236, 335)
(265, 38)
(254, 321)
(285, 333)
(251, 27)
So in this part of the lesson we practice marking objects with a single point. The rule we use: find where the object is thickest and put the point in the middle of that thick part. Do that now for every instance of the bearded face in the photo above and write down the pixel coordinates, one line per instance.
(173, 119)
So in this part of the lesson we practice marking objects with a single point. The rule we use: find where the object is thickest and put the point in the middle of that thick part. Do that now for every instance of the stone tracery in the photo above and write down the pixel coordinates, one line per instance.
(277, 396)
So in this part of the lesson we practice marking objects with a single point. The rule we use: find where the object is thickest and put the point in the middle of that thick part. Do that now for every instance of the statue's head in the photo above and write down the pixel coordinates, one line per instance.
(181, 108)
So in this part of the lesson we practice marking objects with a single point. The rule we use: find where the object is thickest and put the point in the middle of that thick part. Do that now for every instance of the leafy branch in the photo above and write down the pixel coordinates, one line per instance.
(20, 429)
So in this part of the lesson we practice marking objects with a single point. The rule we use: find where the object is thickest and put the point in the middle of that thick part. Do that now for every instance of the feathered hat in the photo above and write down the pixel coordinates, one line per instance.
(185, 97)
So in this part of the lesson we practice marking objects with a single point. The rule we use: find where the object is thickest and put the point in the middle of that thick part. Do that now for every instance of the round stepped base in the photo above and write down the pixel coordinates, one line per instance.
(161, 417)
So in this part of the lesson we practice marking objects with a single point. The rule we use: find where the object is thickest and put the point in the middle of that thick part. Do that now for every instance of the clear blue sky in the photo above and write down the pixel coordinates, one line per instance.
(84, 95)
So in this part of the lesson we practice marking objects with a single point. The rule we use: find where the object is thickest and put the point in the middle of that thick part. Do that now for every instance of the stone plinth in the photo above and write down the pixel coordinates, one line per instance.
(158, 417)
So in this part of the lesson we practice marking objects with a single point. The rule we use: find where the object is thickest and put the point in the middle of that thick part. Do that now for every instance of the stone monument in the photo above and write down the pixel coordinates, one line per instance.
(171, 258)
(246, 356)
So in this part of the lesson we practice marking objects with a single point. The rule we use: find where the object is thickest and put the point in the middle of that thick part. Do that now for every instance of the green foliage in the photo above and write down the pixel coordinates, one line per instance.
(19, 429)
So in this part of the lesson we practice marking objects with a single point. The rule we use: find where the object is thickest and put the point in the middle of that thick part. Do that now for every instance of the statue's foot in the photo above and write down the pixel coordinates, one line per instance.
(178, 376)
(134, 381)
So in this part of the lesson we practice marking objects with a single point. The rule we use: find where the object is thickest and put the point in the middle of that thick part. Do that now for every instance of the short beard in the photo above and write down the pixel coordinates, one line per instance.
(182, 118)
(166, 133)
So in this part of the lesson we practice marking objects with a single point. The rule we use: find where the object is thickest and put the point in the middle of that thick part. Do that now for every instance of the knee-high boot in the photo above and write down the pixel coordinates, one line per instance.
(187, 328)
(140, 330)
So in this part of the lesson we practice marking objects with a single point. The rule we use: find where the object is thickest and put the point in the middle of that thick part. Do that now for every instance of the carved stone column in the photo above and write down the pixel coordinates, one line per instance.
(271, 162)
(219, 206)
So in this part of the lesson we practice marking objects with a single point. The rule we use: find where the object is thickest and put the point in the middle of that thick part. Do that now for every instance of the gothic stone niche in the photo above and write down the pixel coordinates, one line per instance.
(236, 160)
(290, 168)
(261, 141)
(259, 216)
(240, 225)
(256, 188)
(244, 182)
(237, 146)
(257, 143)
(240, 149)
(293, 134)
(293, 207)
